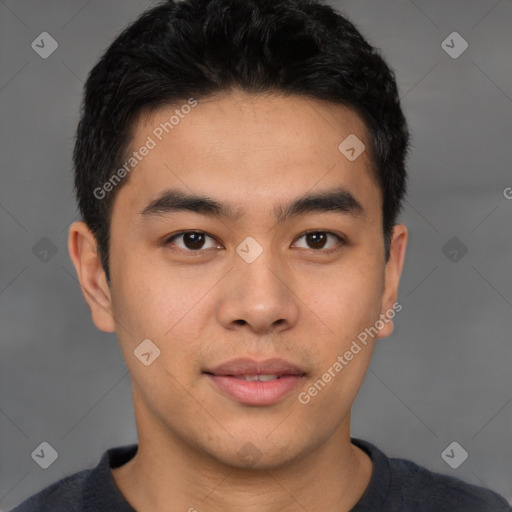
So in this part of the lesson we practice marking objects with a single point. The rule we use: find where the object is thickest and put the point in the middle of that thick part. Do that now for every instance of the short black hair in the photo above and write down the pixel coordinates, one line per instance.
(196, 48)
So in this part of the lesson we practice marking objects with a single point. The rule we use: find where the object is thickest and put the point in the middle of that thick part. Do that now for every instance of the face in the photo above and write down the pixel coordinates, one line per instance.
(239, 273)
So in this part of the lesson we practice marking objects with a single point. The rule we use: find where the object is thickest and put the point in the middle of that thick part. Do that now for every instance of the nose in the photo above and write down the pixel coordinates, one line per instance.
(259, 295)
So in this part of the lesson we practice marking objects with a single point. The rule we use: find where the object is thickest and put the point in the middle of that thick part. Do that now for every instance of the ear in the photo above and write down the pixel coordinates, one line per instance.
(392, 278)
(82, 249)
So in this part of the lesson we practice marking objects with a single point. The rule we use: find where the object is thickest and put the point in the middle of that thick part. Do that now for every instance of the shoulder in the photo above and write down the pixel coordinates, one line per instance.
(87, 490)
(422, 489)
(61, 496)
(400, 485)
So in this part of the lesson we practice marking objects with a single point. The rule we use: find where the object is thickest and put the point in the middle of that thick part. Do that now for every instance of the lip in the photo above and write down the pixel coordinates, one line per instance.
(247, 366)
(226, 379)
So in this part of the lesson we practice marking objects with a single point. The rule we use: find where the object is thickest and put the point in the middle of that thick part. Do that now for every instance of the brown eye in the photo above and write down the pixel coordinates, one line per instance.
(192, 240)
(318, 239)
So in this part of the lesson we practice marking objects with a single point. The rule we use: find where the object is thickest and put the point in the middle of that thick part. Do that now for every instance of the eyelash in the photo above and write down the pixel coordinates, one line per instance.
(341, 240)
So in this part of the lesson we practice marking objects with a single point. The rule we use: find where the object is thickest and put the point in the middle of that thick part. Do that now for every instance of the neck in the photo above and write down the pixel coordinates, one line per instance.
(168, 474)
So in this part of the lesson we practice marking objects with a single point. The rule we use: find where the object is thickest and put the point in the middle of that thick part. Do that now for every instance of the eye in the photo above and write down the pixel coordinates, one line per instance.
(192, 240)
(318, 239)
(195, 241)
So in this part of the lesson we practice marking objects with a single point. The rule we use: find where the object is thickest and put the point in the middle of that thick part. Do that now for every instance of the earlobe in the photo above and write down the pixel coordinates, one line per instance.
(82, 247)
(393, 272)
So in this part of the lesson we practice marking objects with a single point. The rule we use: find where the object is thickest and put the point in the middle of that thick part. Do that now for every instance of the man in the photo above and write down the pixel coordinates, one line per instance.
(240, 166)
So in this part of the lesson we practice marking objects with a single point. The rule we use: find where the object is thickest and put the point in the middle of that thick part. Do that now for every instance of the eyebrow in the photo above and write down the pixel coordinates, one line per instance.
(338, 200)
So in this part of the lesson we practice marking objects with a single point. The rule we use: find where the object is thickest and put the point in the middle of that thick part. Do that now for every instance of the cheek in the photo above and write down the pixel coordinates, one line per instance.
(146, 296)
(165, 310)
(348, 298)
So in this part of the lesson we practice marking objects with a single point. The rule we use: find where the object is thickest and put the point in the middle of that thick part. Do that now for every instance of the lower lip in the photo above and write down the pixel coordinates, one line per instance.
(255, 392)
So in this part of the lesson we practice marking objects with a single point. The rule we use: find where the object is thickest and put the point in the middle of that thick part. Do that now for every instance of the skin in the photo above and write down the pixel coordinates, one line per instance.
(296, 302)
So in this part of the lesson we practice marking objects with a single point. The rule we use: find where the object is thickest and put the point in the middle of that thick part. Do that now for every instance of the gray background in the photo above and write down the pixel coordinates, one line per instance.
(444, 375)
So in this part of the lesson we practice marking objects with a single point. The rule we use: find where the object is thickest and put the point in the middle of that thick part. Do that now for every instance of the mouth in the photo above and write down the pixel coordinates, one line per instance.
(255, 383)
(252, 378)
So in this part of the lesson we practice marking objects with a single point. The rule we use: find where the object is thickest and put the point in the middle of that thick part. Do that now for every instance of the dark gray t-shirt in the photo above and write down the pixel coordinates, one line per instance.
(396, 485)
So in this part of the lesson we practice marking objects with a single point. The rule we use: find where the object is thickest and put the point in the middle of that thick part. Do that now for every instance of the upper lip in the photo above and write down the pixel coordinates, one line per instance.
(246, 366)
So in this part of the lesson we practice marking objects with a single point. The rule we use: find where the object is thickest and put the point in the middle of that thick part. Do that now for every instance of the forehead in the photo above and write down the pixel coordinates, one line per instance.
(250, 150)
